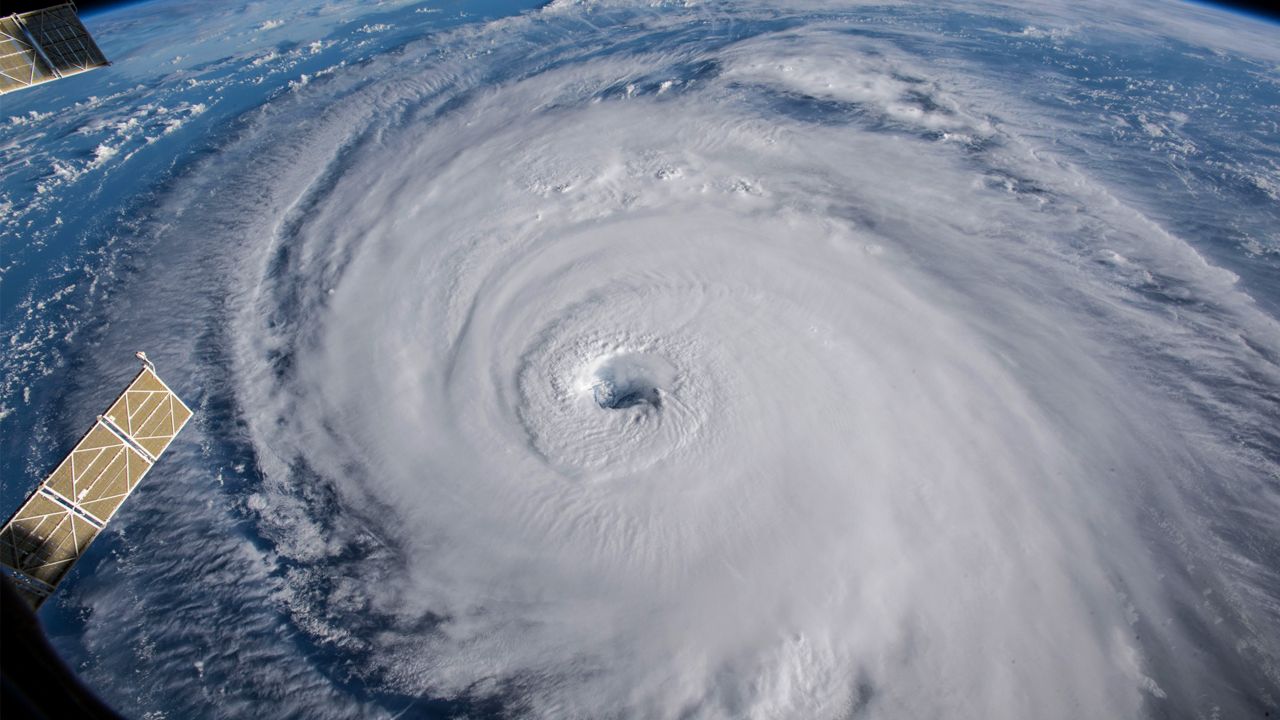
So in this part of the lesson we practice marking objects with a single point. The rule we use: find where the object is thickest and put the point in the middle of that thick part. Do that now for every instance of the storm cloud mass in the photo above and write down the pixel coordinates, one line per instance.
(696, 360)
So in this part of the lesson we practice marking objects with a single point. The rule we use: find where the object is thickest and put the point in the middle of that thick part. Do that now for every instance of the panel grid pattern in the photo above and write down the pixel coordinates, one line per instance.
(149, 413)
(50, 532)
(45, 45)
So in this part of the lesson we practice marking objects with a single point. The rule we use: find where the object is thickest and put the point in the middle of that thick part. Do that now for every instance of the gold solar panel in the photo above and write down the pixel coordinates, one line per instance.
(48, 534)
(149, 413)
(44, 539)
(44, 45)
(99, 473)
(20, 65)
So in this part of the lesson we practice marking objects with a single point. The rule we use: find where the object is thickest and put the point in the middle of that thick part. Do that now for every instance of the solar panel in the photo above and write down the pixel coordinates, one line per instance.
(98, 474)
(49, 533)
(42, 541)
(44, 45)
(149, 413)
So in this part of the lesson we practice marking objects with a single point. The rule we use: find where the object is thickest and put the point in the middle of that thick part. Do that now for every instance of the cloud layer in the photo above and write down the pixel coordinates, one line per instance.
(711, 362)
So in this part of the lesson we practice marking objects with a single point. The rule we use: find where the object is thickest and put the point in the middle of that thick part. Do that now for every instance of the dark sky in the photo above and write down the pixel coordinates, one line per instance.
(1265, 9)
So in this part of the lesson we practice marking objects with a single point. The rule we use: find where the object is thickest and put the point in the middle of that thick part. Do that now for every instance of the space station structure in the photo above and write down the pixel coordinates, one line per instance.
(45, 45)
(53, 528)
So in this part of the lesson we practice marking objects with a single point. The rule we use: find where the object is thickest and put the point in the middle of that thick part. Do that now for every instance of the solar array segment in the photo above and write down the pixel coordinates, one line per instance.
(99, 473)
(44, 45)
(149, 413)
(49, 533)
(44, 539)
(20, 66)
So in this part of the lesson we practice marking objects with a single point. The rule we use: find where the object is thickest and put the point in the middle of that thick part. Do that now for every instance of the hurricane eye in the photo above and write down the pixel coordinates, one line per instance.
(628, 381)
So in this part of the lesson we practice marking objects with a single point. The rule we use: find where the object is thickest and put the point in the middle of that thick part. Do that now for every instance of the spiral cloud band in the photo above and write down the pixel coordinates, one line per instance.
(722, 362)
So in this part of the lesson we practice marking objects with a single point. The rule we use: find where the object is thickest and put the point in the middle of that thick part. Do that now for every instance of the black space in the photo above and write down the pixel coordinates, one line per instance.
(1261, 9)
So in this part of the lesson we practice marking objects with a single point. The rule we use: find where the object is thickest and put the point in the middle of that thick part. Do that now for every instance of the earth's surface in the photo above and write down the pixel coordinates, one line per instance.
(664, 360)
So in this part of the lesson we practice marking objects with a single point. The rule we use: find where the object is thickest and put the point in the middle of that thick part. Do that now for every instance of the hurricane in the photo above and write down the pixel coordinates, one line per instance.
(668, 360)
